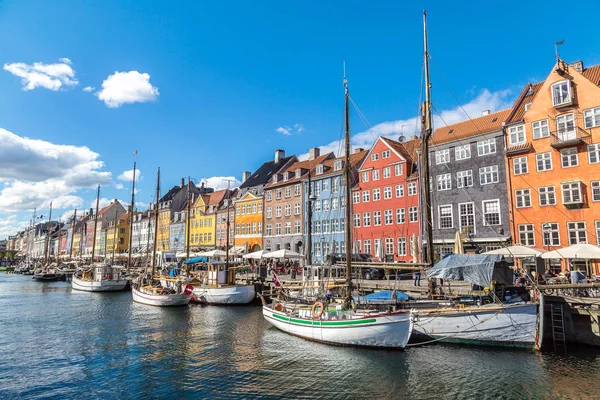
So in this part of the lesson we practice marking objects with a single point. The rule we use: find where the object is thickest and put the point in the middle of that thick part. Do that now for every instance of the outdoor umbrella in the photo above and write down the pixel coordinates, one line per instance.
(458, 244)
(283, 253)
(517, 251)
(257, 255)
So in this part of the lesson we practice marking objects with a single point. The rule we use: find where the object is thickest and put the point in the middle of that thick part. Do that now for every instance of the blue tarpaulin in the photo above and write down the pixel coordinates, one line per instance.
(384, 295)
(195, 260)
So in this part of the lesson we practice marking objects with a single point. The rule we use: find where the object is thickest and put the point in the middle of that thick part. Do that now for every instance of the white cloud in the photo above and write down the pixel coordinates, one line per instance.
(288, 131)
(88, 89)
(486, 100)
(127, 176)
(49, 76)
(119, 186)
(10, 224)
(220, 182)
(126, 88)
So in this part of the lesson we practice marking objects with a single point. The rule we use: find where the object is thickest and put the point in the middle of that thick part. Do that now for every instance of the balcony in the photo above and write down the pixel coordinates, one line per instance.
(569, 138)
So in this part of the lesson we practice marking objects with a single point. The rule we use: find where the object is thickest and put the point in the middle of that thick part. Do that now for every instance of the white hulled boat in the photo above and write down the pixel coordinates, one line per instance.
(99, 278)
(218, 287)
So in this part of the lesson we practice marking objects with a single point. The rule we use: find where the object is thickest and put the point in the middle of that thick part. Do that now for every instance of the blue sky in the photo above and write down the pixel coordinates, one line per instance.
(222, 77)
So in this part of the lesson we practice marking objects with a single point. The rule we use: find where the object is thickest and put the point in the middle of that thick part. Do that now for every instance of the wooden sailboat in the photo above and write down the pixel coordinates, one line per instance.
(99, 277)
(499, 324)
(47, 274)
(148, 290)
(342, 322)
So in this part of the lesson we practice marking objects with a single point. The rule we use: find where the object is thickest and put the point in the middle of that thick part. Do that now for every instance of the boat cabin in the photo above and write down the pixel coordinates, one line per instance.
(106, 273)
(219, 274)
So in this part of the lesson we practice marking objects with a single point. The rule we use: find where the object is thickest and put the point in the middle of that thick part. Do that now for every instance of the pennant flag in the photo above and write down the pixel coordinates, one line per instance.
(276, 280)
(135, 152)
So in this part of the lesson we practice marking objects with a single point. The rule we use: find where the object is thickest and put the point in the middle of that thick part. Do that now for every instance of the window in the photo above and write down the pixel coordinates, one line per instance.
(523, 198)
(595, 190)
(398, 169)
(577, 232)
(594, 153)
(591, 117)
(550, 234)
(317, 227)
(296, 208)
(377, 246)
(335, 202)
(365, 176)
(317, 189)
(298, 173)
(278, 211)
(367, 219)
(412, 188)
(337, 165)
(375, 174)
(285, 176)
(442, 156)
(319, 169)
(269, 212)
(516, 134)
(254, 228)
(547, 196)
(376, 194)
(334, 225)
(385, 154)
(387, 192)
(288, 191)
(571, 193)
(325, 183)
(565, 127)
(466, 213)
(278, 229)
(520, 165)
(540, 129)
(317, 205)
(325, 205)
(366, 196)
(355, 197)
(464, 178)
(260, 208)
(269, 195)
(561, 93)
(569, 157)
(400, 215)
(357, 220)
(253, 208)
(275, 178)
(388, 218)
(526, 235)
(488, 175)
(389, 246)
(444, 182)
(374, 156)
(288, 228)
(462, 152)
(399, 190)
(343, 224)
(543, 161)
(445, 219)
(335, 185)
(260, 228)
(376, 218)
(401, 246)
(386, 172)
(413, 215)
(485, 147)
(278, 194)
(367, 246)
(527, 105)
(491, 212)
(244, 209)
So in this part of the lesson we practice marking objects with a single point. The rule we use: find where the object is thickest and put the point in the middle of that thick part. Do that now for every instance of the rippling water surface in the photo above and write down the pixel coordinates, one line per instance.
(59, 343)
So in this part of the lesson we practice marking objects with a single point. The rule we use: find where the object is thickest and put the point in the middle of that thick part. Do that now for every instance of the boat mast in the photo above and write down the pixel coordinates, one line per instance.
(58, 240)
(95, 225)
(130, 219)
(47, 244)
(309, 220)
(426, 128)
(187, 228)
(72, 235)
(155, 223)
(348, 173)
(114, 239)
(227, 227)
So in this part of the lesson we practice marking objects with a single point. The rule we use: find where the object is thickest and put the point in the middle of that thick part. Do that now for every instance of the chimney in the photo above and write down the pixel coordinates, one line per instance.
(486, 112)
(279, 155)
(313, 153)
(578, 66)
(245, 176)
(91, 211)
(358, 150)
(182, 183)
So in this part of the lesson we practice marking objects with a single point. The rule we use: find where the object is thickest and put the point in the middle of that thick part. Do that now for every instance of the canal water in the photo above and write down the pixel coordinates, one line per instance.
(62, 344)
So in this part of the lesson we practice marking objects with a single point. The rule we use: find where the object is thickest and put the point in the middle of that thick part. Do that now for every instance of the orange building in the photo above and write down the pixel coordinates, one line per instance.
(553, 160)
(249, 222)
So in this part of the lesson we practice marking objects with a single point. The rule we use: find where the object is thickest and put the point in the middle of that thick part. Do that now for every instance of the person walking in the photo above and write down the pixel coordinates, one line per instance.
(417, 277)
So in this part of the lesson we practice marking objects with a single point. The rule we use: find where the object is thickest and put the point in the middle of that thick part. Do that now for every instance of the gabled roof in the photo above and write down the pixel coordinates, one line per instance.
(170, 194)
(593, 74)
(472, 127)
(304, 165)
(217, 197)
(262, 175)
(407, 149)
(527, 95)
(328, 166)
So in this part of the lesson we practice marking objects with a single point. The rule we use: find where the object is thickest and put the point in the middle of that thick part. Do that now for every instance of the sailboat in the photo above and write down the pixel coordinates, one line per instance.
(500, 324)
(218, 286)
(99, 277)
(47, 274)
(150, 291)
(343, 322)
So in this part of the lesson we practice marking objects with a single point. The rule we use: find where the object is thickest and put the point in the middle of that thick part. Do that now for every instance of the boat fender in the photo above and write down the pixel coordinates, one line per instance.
(415, 317)
(278, 307)
(317, 314)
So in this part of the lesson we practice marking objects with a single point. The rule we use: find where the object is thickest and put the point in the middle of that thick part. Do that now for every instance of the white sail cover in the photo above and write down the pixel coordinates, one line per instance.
(479, 269)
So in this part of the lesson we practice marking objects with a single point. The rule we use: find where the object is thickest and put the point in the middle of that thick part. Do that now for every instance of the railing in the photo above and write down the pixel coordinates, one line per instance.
(570, 138)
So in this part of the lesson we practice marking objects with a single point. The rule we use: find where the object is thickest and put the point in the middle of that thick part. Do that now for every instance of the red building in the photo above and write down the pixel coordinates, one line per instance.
(386, 201)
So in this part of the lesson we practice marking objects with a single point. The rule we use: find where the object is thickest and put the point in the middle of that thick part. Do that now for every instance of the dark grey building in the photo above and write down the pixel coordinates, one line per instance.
(468, 184)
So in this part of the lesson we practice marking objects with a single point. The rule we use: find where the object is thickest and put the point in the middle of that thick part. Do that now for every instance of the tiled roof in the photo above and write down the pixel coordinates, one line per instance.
(593, 74)
(471, 127)
(355, 159)
(407, 149)
(519, 148)
(527, 95)
(262, 175)
(217, 197)
(305, 165)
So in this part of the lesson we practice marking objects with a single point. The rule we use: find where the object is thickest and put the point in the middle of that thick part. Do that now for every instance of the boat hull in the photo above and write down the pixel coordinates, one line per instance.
(228, 295)
(98, 286)
(508, 326)
(383, 330)
(169, 300)
(47, 277)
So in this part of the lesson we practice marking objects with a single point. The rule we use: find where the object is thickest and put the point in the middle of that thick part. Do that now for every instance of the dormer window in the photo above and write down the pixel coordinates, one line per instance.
(275, 178)
(298, 173)
(285, 176)
(319, 169)
(337, 165)
(527, 105)
(562, 93)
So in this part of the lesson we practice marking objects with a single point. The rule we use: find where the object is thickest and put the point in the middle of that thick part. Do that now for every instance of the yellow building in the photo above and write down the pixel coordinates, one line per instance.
(248, 222)
(117, 237)
(203, 223)
(164, 229)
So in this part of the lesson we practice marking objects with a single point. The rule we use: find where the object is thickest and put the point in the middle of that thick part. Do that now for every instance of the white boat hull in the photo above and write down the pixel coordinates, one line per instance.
(383, 330)
(159, 300)
(238, 294)
(513, 325)
(98, 286)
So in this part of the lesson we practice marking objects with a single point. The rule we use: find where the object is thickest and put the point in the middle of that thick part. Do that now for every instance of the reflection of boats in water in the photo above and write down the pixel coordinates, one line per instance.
(99, 278)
